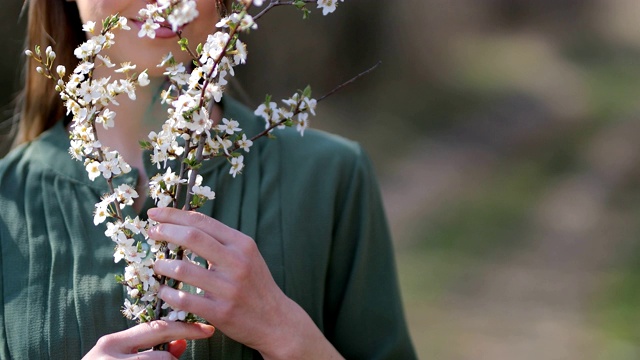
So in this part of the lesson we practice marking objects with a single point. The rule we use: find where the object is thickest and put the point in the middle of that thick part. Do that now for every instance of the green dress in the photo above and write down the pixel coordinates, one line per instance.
(311, 203)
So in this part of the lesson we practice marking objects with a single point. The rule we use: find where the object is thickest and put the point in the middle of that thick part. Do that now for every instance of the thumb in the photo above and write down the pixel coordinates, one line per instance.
(177, 347)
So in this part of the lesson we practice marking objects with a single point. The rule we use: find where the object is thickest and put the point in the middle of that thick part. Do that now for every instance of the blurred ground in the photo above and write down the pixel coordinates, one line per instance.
(505, 134)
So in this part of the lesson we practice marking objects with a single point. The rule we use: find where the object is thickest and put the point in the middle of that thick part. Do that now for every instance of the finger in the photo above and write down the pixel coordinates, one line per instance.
(153, 333)
(177, 347)
(210, 226)
(196, 304)
(189, 273)
(196, 240)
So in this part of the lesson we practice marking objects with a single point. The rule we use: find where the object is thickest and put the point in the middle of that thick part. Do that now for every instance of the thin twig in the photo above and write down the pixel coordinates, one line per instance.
(298, 110)
(353, 79)
(275, 3)
(187, 49)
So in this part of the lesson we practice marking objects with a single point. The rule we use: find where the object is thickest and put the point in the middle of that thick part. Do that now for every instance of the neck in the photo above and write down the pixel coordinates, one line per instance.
(136, 118)
(134, 121)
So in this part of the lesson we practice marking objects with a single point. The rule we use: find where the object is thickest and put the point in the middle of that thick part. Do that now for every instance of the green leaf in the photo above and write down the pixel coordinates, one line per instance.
(307, 91)
(184, 44)
(145, 145)
(151, 312)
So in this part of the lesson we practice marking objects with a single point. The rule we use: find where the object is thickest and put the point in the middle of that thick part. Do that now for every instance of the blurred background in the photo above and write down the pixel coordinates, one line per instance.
(506, 136)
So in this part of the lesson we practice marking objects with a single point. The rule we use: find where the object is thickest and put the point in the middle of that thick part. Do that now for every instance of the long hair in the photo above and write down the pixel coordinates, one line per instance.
(54, 23)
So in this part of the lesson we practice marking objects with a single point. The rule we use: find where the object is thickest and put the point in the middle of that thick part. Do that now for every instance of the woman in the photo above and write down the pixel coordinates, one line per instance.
(301, 261)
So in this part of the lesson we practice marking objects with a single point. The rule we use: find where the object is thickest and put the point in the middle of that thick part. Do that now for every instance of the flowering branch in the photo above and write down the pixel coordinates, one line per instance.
(188, 135)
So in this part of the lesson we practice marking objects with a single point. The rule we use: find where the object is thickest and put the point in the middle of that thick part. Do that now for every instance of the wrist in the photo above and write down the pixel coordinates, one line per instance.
(284, 340)
(296, 336)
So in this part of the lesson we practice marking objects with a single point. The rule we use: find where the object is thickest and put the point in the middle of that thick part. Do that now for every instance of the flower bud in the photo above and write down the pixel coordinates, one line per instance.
(40, 70)
(143, 79)
(28, 53)
(61, 70)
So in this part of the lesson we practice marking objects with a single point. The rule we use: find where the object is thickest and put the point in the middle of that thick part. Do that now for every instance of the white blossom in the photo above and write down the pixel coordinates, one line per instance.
(241, 53)
(244, 143)
(93, 169)
(183, 13)
(204, 191)
(125, 195)
(328, 6)
(122, 23)
(237, 164)
(106, 118)
(229, 126)
(148, 29)
(143, 79)
(125, 67)
(175, 315)
(302, 123)
(89, 27)
(165, 60)
(100, 214)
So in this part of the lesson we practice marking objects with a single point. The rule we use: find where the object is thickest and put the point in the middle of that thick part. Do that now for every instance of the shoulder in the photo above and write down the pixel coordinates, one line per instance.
(14, 164)
(14, 169)
(321, 155)
(318, 144)
(27, 160)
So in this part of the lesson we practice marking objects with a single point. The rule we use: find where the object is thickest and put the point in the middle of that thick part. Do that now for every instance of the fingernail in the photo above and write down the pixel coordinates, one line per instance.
(209, 329)
(152, 212)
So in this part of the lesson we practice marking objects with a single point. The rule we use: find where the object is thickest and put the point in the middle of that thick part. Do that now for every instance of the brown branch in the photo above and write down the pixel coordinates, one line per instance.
(350, 81)
(275, 3)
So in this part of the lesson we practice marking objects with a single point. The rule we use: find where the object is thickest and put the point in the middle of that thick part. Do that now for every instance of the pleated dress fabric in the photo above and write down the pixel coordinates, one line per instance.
(311, 203)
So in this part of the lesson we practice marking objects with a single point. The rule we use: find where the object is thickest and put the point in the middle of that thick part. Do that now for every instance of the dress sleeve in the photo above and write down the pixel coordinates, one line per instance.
(363, 310)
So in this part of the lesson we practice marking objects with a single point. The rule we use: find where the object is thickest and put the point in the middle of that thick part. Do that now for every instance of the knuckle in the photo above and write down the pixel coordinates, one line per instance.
(247, 245)
(195, 236)
(181, 269)
(191, 233)
(157, 326)
(180, 301)
(197, 218)
(105, 342)
(158, 231)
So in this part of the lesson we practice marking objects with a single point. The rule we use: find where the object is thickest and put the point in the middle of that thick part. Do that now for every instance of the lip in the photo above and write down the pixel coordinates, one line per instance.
(163, 32)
